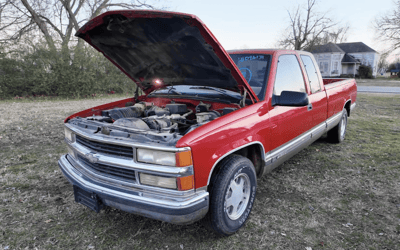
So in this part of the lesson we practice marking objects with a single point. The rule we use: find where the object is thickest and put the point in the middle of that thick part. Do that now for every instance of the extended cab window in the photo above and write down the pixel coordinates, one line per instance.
(254, 68)
(312, 73)
(288, 75)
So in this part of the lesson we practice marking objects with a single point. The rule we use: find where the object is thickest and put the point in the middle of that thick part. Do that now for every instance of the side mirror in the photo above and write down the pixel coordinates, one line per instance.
(290, 98)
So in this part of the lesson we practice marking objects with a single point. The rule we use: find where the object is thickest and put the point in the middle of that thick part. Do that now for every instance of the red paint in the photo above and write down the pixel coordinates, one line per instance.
(260, 122)
(192, 20)
(272, 126)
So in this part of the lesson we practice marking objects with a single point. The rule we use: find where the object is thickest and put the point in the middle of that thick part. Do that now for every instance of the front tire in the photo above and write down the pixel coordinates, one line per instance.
(232, 194)
(337, 134)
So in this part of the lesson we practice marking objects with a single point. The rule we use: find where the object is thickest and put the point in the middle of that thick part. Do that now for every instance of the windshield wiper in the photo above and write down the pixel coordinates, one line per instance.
(171, 89)
(221, 91)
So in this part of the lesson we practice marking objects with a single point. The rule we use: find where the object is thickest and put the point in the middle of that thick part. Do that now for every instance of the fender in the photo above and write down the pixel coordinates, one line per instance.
(345, 103)
(231, 152)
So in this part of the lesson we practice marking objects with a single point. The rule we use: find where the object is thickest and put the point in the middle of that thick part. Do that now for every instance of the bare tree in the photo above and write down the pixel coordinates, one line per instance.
(55, 20)
(308, 28)
(383, 63)
(388, 26)
(335, 35)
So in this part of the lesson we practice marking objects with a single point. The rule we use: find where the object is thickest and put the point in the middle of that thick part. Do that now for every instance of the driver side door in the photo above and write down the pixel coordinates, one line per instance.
(288, 122)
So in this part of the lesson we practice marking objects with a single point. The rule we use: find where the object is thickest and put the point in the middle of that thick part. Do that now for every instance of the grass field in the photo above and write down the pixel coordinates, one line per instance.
(329, 196)
(379, 81)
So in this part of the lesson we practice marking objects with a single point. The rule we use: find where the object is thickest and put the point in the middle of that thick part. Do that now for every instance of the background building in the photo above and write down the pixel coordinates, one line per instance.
(339, 59)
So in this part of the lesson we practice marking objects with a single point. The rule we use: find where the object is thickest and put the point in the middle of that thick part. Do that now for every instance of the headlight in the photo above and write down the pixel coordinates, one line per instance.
(178, 159)
(156, 157)
(179, 183)
(69, 135)
(158, 181)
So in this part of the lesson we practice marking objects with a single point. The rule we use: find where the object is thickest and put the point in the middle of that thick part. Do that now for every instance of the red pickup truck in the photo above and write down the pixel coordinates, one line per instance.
(210, 122)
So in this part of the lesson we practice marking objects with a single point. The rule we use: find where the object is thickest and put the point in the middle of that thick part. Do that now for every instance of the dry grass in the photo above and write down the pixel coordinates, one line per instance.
(379, 81)
(344, 196)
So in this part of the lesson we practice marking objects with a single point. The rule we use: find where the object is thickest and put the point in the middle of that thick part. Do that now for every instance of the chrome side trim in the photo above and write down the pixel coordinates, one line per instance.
(319, 130)
(232, 151)
(131, 164)
(279, 155)
(139, 197)
(122, 141)
(334, 120)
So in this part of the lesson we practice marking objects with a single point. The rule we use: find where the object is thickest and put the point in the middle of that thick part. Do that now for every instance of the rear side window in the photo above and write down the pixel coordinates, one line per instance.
(288, 75)
(312, 73)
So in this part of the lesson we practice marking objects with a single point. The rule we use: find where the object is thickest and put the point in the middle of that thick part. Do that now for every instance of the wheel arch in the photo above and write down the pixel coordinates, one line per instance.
(347, 106)
(258, 158)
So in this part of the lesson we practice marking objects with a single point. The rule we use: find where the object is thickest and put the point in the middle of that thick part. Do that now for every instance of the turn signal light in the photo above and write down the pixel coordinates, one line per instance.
(184, 159)
(185, 183)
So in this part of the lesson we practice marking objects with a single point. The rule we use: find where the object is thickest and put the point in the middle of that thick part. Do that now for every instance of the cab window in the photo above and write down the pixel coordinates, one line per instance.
(311, 73)
(288, 75)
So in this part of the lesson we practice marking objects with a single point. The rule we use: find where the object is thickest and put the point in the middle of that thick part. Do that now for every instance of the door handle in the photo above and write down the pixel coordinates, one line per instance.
(309, 107)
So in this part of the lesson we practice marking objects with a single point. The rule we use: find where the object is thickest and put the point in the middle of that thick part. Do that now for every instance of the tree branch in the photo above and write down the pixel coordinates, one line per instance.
(53, 26)
(310, 30)
(40, 23)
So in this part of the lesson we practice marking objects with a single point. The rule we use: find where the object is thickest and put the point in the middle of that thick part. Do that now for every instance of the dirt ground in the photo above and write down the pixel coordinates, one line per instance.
(329, 196)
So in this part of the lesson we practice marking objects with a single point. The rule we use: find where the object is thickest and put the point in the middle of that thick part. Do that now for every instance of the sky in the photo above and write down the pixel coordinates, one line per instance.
(241, 24)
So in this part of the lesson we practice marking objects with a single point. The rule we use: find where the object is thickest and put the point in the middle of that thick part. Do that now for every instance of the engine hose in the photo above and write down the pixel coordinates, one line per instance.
(168, 129)
(188, 113)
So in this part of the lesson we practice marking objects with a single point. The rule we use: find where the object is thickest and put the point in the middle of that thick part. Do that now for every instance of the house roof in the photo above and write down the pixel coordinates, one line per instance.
(349, 59)
(327, 48)
(355, 47)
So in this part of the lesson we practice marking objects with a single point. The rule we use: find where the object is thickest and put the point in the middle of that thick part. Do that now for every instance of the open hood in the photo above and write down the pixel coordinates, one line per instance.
(159, 48)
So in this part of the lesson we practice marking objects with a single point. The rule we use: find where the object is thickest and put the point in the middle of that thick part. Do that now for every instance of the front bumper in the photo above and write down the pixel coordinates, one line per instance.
(175, 210)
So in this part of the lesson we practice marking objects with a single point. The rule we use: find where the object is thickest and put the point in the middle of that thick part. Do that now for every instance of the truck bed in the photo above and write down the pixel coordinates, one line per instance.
(338, 91)
(328, 81)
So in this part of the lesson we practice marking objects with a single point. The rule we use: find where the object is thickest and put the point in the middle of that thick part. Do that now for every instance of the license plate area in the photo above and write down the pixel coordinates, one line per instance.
(89, 199)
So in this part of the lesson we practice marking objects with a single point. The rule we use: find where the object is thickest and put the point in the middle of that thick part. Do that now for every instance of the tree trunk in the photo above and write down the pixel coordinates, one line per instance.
(41, 24)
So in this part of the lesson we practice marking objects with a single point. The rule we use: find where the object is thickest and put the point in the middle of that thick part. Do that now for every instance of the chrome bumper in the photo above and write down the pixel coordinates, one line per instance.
(173, 209)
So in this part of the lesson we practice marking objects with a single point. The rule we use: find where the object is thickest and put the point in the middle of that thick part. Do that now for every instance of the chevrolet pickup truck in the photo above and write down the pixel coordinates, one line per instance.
(207, 124)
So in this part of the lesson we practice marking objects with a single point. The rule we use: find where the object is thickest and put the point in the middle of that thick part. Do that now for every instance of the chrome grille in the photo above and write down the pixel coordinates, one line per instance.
(100, 147)
(109, 171)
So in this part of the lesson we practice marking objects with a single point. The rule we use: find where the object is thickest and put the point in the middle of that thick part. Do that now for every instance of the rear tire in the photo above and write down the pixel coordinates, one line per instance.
(232, 194)
(337, 134)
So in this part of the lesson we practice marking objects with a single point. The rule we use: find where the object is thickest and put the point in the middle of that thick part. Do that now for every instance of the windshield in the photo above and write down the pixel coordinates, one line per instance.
(255, 69)
(199, 92)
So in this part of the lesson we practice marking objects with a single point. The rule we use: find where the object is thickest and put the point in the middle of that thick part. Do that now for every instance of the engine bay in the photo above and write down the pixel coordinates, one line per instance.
(145, 121)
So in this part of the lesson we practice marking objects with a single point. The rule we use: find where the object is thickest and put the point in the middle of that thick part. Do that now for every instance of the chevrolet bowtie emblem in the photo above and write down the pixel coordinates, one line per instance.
(92, 158)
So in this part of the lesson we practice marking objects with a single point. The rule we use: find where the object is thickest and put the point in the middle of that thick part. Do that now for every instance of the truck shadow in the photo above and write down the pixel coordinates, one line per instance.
(121, 226)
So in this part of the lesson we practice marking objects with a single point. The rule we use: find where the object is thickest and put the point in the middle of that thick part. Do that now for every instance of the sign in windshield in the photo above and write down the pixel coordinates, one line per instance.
(254, 68)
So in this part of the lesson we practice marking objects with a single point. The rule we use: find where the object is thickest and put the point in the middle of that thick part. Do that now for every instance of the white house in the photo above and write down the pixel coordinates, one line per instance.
(345, 58)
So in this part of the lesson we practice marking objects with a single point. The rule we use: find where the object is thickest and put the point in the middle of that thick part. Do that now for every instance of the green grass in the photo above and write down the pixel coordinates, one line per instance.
(62, 98)
(379, 81)
(387, 78)
(329, 196)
